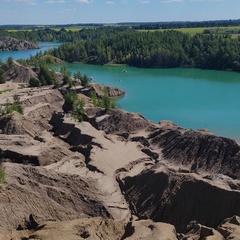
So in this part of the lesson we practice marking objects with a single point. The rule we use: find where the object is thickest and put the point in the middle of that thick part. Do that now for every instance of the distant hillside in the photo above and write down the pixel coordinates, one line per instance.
(9, 44)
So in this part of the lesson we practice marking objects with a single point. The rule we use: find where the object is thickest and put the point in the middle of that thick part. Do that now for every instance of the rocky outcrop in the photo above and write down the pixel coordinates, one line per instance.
(197, 232)
(18, 124)
(147, 229)
(93, 228)
(230, 228)
(10, 44)
(164, 195)
(199, 150)
(100, 90)
(47, 195)
(120, 122)
(19, 73)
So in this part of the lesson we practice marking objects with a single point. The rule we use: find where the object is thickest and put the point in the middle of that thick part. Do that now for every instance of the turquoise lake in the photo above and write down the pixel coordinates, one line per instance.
(24, 54)
(192, 98)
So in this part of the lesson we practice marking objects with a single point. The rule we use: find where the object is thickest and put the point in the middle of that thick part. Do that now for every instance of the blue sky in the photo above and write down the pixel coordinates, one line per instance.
(113, 11)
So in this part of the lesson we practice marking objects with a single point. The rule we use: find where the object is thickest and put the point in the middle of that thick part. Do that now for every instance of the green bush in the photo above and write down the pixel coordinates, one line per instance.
(2, 76)
(74, 105)
(2, 176)
(21, 86)
(10, 61)
(78, 110)
(70, 98)
(15, 106)
(103, 102)
(34, 82)
(85, 80)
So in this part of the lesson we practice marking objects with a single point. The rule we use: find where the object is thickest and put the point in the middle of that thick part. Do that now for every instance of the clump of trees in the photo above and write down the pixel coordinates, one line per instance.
(10, 107)
(157, 49)
(2, 75)
(34, 82)
(104, 102)
(74, 105)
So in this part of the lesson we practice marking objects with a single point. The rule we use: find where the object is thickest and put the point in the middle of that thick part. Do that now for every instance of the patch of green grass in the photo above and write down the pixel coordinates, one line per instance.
(191, 31)
(21, 85)
(197, 30)
(183, 30)
(15, 106)
(73, 29)
(5, 90)
(19, 30)
(2, 176)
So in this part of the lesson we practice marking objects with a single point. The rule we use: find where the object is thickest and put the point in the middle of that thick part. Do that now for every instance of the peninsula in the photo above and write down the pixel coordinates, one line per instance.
(12, 44)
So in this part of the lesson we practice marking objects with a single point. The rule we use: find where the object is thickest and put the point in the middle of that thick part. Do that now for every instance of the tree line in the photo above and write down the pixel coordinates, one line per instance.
(155, 49)
(62, 35)
(185, 24)
(158, 49)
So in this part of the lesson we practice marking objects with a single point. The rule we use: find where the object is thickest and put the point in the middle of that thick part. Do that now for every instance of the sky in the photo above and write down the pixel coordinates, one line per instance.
(114, 11)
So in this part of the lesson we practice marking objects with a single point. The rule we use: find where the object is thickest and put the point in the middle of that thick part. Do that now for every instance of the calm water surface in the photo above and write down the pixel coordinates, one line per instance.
(192, 98)
(24, 54)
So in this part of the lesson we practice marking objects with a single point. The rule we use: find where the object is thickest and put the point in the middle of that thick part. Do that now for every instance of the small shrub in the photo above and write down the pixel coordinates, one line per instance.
(34, 82)
(21, 85)
(5, 90)
(2, 176)
(78, 110)
(70, 98)
(15, 106)
(10, 61)
(86, 80)
(103, 102)
(2, 76)
(74, 105)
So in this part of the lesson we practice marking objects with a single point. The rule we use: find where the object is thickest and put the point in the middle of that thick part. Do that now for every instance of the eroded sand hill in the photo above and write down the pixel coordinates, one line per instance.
(115, 175)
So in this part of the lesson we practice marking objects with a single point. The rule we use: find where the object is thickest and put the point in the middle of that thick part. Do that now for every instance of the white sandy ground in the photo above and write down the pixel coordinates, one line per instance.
(113, 154)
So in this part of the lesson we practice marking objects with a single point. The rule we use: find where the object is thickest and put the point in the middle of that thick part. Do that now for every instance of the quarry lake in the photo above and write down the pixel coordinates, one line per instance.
(24, 54)
(192, 98)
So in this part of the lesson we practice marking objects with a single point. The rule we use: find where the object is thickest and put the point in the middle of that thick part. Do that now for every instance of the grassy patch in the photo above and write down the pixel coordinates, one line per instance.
(2, 176)
(19, 30)
(73, 29)
(21, 85)
(183, 30)
(5, 90)
(193, 31)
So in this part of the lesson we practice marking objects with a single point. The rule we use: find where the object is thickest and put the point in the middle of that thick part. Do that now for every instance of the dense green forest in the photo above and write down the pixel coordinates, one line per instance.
(62, 35)
(155, 49)
(186, 24)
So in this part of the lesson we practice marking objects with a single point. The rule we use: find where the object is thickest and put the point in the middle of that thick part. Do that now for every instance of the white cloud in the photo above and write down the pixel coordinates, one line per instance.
(84, 1)
(110, 2)
(55, 1)
(144, 1)
(30, 2)
(207, 0)
(179, 1)
(172, 1)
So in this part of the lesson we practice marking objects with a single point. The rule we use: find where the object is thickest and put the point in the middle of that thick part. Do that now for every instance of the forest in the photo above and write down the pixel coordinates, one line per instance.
(148, 49)
(156, 49)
